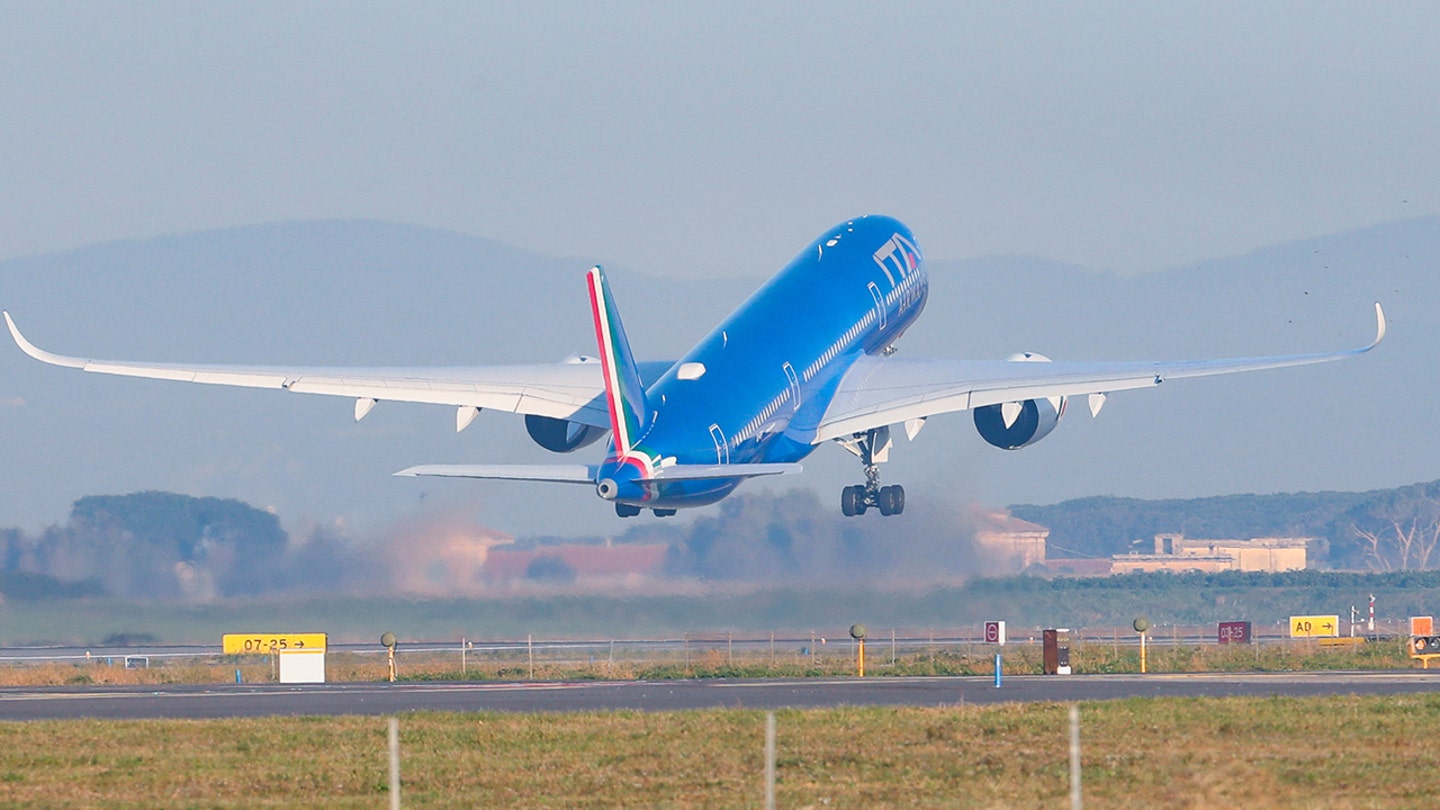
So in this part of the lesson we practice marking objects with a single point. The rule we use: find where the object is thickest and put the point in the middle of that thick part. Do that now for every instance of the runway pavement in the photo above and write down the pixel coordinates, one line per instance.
(213, 701)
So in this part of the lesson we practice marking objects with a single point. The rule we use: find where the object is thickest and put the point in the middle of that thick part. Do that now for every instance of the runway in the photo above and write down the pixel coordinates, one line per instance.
(221, 701)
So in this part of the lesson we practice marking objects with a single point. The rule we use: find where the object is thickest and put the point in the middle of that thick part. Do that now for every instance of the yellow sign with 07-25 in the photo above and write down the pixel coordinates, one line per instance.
(267, 643)
(1314, 626)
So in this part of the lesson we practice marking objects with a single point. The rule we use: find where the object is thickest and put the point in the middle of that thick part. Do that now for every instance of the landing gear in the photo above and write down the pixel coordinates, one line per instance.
(664, 512)
(857, 499)
(872, 447)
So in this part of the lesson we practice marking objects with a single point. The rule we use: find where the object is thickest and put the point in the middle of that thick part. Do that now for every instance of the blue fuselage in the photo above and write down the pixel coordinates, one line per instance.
(766, 374)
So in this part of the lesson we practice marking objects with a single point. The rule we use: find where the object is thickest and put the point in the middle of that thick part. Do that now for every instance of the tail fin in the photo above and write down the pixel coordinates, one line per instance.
(625, 394)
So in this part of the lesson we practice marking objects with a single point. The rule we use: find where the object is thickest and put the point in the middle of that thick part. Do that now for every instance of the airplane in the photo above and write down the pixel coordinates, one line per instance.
(809, 358)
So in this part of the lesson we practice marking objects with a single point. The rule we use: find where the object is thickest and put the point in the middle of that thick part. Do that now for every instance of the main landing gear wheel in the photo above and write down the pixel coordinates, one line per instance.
(891, 500)
(626, 510)
(852, 501)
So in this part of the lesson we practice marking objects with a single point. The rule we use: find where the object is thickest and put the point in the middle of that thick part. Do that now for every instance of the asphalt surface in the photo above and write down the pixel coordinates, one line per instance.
(219, 701)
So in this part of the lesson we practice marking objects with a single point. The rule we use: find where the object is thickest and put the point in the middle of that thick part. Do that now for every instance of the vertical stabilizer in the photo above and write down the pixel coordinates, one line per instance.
(625, 394)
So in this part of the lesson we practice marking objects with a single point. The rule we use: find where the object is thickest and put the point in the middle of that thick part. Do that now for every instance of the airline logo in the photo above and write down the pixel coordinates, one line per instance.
(899, 255)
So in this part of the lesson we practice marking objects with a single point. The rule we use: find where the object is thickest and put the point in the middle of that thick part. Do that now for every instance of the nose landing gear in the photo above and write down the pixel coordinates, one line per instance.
(872, 447)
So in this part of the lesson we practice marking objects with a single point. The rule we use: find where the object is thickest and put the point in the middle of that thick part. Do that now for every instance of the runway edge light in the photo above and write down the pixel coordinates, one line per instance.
(858, 632)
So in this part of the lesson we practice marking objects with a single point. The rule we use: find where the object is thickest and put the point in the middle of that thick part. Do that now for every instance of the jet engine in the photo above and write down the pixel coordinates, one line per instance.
(561, 435)
(1037, 417)
(1013, 425)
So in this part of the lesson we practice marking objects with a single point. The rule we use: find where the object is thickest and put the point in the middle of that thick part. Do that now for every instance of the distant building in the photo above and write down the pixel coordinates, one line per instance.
(471, 560)
(1175, 552)
(443, 560)
(1011, 544)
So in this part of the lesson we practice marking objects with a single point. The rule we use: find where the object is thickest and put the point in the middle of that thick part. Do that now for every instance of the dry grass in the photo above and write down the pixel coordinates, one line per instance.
(707, 662)
(1204, 753)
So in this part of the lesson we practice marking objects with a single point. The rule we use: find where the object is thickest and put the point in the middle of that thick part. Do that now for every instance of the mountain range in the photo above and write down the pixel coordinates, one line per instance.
(376, 293)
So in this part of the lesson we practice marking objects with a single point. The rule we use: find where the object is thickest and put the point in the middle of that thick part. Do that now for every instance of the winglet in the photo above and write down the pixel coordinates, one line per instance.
(39, 353)
(624, 393)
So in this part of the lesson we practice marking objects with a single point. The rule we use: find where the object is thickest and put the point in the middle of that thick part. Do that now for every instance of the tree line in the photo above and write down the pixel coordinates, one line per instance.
(167, 546)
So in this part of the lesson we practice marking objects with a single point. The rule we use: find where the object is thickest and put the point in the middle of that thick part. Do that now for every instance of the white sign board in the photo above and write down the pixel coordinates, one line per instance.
(302, 666)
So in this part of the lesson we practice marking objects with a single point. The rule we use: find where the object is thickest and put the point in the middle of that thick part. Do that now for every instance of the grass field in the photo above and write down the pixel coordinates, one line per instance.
(1202, 753)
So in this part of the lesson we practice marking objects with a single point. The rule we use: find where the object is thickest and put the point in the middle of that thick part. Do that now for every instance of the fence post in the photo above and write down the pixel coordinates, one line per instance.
(1076, 801)
(770, 761)
(394, 764)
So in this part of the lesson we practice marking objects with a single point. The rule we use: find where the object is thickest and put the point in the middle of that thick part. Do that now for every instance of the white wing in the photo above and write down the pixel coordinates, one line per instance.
(880, 391)
(567, 390)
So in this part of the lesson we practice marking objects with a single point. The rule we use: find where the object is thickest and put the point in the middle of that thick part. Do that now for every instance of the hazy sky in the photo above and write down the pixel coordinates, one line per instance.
(717, 139)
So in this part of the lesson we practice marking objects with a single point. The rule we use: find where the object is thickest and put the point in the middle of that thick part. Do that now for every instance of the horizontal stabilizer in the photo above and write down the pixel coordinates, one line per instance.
(585, 474)
(694, 472)
(556, 473)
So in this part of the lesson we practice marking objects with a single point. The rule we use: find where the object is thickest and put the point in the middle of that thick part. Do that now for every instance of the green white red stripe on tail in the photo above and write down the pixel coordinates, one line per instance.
(624, 392)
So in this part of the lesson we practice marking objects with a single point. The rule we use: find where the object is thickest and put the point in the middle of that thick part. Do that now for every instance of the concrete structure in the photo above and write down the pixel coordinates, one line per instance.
(1011, 544)
(1175, 552)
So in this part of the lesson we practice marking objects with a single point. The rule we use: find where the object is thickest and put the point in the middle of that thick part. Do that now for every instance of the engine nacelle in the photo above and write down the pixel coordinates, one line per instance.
(561, 435)
(1033, 422)
(1036, 419)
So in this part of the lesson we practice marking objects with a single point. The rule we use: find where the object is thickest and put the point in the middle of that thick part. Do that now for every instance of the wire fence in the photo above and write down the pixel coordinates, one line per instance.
(708, 648)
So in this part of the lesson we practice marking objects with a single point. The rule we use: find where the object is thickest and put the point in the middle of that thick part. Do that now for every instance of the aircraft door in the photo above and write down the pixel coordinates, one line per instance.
(722, 448)
(794, 380)
(879, 304)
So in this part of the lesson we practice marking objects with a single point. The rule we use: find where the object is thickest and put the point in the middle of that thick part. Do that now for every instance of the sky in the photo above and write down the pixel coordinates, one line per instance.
(714, 140)
(689, 141)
